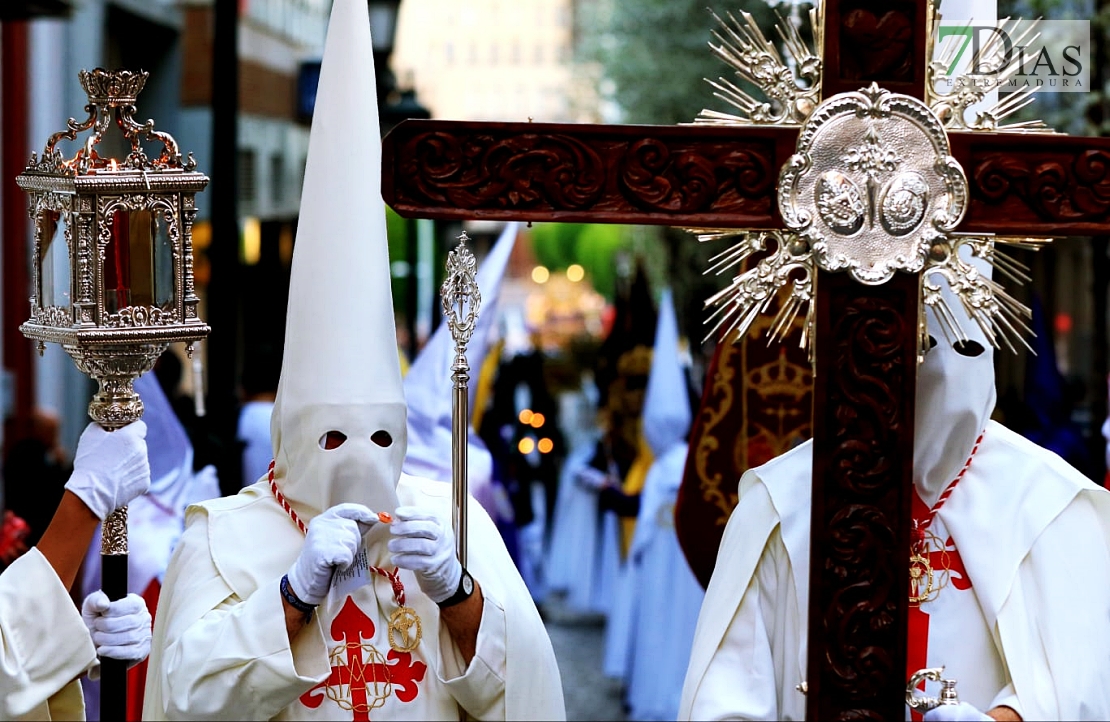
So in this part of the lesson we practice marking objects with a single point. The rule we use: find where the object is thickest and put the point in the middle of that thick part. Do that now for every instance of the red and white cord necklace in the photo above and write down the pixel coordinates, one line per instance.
(403, 620)
(924, 582)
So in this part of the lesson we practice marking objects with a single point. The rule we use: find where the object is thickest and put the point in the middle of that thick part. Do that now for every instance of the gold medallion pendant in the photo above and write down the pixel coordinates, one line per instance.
(404, 630)
(921, 579)
(925, 581)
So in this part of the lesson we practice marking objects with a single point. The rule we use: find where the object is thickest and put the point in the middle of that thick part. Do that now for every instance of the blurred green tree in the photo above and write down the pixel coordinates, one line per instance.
(595, 247)
(654, 59)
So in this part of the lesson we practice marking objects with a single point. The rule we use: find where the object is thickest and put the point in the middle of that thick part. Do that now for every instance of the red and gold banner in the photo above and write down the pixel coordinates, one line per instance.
(756, 405)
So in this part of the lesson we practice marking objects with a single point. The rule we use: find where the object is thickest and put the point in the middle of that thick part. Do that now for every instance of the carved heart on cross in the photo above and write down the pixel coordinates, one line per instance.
(876, 44)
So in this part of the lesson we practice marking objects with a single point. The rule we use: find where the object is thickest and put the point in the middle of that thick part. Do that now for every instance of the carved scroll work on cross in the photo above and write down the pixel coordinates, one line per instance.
(880, 181)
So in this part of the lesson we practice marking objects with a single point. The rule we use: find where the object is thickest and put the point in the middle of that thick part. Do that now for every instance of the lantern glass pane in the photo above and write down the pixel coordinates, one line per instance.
(163, 263)
(54, 276)
(138, 262)
(117, 263)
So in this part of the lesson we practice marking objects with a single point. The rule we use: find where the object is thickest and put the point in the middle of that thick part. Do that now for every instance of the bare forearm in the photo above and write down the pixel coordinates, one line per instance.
(295, 620)
(463, 620)
(1004, 714)
(67, 538)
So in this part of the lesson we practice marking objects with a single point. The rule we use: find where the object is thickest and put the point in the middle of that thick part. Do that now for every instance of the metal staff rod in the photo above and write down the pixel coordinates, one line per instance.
(114, 406)
(461, 301)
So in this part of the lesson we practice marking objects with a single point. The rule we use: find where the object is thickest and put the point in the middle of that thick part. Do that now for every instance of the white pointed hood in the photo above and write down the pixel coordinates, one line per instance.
(955, 399)
(429, 386)
(168, 447)
(666, 403)
(173, 483)
(340, 370)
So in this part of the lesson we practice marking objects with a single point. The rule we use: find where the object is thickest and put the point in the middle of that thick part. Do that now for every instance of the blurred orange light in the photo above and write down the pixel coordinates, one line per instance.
(545, 445)
(536, 421)
(526, 445)
(525, 416)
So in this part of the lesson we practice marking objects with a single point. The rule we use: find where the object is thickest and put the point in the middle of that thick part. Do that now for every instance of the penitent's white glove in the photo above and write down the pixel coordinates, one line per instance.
(119, 629)
(962, 712)
(331, 543)
(110, 468)
(591, 478)
(423, 545)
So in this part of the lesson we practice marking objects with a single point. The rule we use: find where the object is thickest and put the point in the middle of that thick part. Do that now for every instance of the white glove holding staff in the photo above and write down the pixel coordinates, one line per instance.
(592, 478)
(423, 545)
(110, 468)
(331, 543)
(962, 712)
(119, 629)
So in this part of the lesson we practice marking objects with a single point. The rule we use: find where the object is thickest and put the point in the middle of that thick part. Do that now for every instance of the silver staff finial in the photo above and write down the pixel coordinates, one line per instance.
(461, 302)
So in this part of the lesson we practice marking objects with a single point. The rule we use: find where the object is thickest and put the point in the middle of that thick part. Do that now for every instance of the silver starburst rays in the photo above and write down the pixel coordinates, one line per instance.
(963, 92)
(871, 189)
(744, 48)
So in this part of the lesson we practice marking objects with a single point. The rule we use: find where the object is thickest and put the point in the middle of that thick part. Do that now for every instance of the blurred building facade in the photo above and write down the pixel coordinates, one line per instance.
(498, 60)
(495, 60)
(276, 37)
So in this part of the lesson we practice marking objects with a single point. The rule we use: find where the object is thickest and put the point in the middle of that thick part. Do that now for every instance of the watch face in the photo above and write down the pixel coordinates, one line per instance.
(468, 584)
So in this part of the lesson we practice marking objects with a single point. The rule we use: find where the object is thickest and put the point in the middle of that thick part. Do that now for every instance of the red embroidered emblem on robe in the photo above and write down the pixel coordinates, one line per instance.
(917, 652)
(361, 678)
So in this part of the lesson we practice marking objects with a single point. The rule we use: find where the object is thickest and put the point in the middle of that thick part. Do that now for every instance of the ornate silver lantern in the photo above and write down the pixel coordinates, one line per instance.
(113, 264)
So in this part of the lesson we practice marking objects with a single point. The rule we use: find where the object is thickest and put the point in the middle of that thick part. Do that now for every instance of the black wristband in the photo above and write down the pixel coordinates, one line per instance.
(288, 595)
(462, 593)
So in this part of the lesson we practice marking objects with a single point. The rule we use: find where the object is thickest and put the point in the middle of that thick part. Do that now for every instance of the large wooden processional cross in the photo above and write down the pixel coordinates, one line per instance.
(865, 183)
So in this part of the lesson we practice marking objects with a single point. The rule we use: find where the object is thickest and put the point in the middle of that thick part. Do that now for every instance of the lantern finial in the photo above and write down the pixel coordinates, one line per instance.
(112, 95)
(113, 87)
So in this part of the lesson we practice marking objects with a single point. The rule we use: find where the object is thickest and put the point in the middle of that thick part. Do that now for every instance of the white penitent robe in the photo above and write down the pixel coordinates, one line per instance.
(44, 645)
(574, 523)
(583, 556)
(669, 596)
(620, 626)
(1034, 538)
(221, 651)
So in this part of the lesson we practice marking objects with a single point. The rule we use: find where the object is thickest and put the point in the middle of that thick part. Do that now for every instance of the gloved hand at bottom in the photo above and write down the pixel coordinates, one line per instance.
(962, 712)
(119, 629)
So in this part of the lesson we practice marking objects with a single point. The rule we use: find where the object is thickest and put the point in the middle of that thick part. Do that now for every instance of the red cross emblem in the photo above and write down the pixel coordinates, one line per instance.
(359, 683)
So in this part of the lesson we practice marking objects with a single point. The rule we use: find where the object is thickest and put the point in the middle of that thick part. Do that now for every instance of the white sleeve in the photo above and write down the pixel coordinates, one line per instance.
(1055, 624)
(740, 682)
(257, 672)
(479, 687)
(44, 645)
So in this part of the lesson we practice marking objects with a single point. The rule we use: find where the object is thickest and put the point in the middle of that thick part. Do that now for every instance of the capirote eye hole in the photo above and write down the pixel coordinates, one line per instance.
(968, 348)
(332, 440)
(932, 343)
(382, 438)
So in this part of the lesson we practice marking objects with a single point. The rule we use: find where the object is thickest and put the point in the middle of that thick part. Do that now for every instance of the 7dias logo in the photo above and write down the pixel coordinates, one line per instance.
(1049, 56)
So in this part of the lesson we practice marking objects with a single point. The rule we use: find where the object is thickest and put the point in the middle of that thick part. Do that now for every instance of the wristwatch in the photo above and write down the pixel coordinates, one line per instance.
(466, 588)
